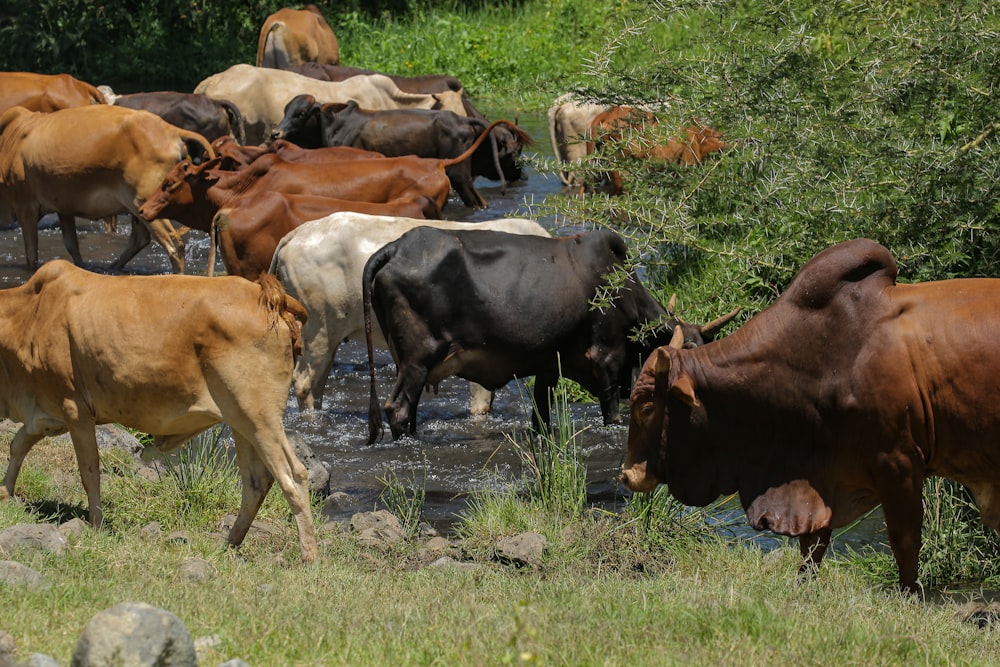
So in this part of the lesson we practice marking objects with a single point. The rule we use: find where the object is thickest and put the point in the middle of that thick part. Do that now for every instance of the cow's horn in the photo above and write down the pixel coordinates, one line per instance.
(672, 303)
(677, 340)
(715, 325)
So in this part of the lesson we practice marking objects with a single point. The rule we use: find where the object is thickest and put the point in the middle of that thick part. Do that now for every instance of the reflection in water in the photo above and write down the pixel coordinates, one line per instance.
(453, 455)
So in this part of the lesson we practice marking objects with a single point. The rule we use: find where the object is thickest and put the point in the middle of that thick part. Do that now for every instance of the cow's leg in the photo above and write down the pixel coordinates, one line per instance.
(314, 364)
(480, 399)
(268, 458)
(401, 406)
(67, 225)
(138, 239)
(902, 504)
(812, 547)
(172, 241)
(29, 231)
(19, 448)
(88, 460)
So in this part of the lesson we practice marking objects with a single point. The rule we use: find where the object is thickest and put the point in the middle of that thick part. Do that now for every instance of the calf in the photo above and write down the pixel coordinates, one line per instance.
(489, 307)
(79, 349)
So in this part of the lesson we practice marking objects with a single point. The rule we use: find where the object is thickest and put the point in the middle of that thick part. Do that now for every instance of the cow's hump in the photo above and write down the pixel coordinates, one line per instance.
(859, 262)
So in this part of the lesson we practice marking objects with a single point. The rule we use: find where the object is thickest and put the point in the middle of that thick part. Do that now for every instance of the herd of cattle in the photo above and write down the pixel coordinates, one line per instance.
(322, 188)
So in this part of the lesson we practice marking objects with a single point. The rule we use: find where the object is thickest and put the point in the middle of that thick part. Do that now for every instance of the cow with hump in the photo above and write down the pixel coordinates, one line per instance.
(90, 162)
(321, 263)
(490, 307)
(78, 349)
(846, 393)
(295, 36)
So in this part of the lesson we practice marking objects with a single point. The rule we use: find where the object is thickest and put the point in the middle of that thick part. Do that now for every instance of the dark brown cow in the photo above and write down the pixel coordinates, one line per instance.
(846, 393)
(293, 36)
(248, 229)
(208, 117)
(422, 132)
(620, 126)
(45, 92)
(490, 306)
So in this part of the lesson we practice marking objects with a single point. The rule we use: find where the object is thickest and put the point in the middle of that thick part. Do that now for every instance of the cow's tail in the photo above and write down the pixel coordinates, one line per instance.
(279, 305)
(235, 121)
(265, 34)
(521, 135)
(374, 264)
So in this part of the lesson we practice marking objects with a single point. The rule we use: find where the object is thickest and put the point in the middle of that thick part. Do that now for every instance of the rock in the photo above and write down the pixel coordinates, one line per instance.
(41, 536)
(197, 571)
(135, 634)
(235, 662)
(151, 530)
(258, 527)
(447, 562)
(16, 575)
(110, 436)
(7, 648)
(319, 471)
(980, 614)
(524, 549)
(178, 537)
(338, 501)
(73, 529)
(40, 660)
(377, 529)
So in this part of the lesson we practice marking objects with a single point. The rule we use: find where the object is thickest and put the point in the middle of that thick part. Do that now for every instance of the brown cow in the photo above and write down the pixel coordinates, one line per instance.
(92, 162)
(241, 156)
(847, 392)
(621, 125)
(248, 229)
(45, 92)
(379, 180)
(295, 36)
(78, 349)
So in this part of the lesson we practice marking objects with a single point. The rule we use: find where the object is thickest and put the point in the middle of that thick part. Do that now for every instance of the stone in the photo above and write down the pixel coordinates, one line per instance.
(449, 563)
(16, 575)
(319, 471)
(40, 660)
(197, 571)
(135, 634)
(525, 549)
(39, 536)
(7, 648)
(377, 529)
(74, 528)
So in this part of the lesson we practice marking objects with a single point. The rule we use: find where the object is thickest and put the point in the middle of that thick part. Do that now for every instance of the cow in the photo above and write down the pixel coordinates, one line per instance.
(201, 190)
(845, 393)
(295, 36)
(93, 162)
(208, 117)
(489, 306)
(78, 349)
(261, 94)
(621, 126)
(240, 156)
(45, 92)
(248, 229)
(396, 132)
(569, 130)
(321, 263)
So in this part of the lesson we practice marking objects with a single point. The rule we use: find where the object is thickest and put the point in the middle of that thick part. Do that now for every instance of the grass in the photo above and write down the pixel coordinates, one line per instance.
(606, 593)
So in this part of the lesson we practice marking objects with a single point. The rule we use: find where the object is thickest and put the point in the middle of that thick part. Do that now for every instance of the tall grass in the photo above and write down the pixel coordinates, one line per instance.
(405, 502)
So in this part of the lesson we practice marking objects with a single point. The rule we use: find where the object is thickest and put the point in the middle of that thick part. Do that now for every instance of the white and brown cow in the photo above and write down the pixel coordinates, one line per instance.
(321, 263)
(92, 162)
(569, 130)
(78, 349)
(261, 94)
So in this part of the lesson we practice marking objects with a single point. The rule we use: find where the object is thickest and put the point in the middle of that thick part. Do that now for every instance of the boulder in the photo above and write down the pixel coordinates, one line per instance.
(135, 634)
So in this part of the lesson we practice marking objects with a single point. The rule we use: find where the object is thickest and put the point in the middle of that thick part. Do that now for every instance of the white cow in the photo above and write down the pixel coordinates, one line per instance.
(321, 263)
(569, 130)
(261, 94)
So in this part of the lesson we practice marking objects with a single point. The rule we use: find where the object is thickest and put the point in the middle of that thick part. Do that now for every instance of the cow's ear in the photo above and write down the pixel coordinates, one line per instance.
(683, 389)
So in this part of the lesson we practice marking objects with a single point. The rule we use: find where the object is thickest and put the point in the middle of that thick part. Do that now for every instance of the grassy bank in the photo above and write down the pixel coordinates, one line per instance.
(606, 593)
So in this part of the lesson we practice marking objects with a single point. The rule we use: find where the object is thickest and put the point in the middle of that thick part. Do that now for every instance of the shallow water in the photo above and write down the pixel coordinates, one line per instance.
(453, 455)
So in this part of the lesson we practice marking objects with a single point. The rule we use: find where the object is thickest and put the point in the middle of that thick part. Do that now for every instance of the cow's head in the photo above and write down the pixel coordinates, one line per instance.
(183, 186)
(300, 123)
(510, 142)
(659, 386)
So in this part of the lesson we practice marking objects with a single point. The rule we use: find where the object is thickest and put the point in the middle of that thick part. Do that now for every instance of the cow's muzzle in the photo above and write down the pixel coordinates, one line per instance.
(634, 477)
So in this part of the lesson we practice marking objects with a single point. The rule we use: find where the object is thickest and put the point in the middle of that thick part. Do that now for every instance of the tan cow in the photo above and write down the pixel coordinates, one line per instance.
(296, 36)
(91, 162)
(79, 349)
(45, 92)
(569, 130)
(261, 95)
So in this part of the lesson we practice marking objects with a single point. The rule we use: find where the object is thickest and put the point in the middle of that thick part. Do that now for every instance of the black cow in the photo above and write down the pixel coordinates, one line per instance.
(396, 132)
(208, 117)
(490, 306)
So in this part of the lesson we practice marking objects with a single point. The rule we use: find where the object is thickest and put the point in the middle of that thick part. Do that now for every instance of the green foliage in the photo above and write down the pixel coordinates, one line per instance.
(957, 547)
(406, 503)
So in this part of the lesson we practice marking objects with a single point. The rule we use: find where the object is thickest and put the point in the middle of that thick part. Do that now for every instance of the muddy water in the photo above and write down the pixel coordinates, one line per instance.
(453, 455)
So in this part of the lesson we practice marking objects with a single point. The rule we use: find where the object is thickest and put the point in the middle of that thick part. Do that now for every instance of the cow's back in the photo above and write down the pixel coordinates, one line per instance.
(45, 92)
